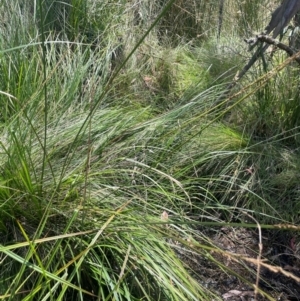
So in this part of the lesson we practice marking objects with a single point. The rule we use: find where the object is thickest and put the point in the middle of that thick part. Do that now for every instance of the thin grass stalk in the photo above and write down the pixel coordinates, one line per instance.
(42, 27)
(106, 89)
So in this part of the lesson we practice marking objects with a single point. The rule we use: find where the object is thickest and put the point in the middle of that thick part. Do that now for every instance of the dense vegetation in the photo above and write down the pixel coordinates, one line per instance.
(117, 150)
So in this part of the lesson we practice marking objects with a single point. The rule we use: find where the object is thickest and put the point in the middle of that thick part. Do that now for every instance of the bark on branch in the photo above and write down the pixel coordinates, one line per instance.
(270, 41)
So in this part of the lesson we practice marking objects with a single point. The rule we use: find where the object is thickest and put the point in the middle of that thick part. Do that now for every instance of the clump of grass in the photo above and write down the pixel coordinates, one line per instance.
(223, 58)
(250, 16)
(99, 197)
(85, 188)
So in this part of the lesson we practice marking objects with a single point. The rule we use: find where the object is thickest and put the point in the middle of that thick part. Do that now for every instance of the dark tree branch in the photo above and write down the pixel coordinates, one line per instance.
(259, 51)
(280, 19)
(270, 41)
(282, 16)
